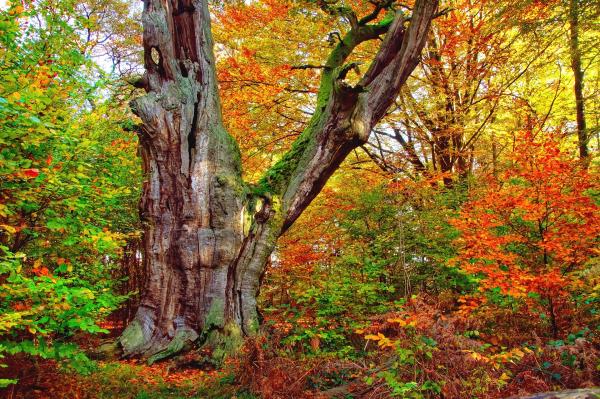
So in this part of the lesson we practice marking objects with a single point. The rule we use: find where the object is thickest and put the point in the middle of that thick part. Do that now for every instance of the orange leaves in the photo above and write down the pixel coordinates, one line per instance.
(16, 10)
(468, 304)
(404, 322)
(528, 230)
(465, 31)
(266, 103)
(42, 272)
(259, 12)
(21, 306)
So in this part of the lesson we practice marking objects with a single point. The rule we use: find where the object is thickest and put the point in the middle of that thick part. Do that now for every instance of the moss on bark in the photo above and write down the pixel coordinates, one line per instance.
(182, 341)
(132, 339)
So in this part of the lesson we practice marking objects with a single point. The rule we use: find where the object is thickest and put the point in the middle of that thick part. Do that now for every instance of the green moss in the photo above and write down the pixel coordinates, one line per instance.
(253, 327)
(253, 204)
(132, 338)
(234, 148)
(225, 342)
(276, 178)
(108, 350)
(233, 181)
(182, 341)
(216, 314)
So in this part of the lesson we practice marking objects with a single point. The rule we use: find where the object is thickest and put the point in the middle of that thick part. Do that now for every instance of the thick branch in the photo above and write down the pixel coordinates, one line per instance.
(397, 58)
(345, 115)
(277, 179)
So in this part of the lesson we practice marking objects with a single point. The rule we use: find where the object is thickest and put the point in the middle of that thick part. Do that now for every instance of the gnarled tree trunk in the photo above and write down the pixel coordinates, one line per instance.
(208, 235)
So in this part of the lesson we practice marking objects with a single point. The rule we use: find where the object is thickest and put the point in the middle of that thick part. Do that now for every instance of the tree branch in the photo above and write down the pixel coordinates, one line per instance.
(345, 115)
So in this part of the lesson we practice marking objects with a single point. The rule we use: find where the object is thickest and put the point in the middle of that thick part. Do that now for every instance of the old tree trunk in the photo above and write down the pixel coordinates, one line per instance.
(207, 233)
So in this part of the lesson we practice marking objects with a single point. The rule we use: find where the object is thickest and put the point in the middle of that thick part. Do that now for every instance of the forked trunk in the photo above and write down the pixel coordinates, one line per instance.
(208, 235)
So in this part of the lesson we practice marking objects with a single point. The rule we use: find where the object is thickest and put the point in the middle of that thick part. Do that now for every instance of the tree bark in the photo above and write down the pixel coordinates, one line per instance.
(208, 235)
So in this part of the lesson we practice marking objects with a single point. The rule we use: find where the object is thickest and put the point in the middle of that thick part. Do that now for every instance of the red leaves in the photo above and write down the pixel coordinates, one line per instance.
(42, 272)
(31, 173)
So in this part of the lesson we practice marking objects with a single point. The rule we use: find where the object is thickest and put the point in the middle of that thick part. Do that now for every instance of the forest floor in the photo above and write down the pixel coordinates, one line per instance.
(127, 380)
(124, 379)
(260, 372)
(119, 378)
(432, 357)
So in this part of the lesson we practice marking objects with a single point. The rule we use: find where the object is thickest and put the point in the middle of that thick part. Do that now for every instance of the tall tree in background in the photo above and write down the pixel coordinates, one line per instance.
(461, 81)
(576, 67)
(577, 20)
(208, 234)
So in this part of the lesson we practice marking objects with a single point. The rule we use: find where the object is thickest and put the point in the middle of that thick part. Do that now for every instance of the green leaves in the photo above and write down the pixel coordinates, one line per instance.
(69, 183)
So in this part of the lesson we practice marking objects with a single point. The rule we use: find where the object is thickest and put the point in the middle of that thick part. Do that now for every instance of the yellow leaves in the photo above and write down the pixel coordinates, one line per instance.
(7, 228)
(403, 322)
(10, 320)
(512, 356)
(382, 340)
(477, 356)
(504, 379)
(87, 293)
(14, 97)
(496, 361)
(37, 263)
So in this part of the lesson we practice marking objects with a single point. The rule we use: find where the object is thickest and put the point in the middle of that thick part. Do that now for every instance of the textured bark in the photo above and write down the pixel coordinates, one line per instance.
(192, 202)
(208, 235)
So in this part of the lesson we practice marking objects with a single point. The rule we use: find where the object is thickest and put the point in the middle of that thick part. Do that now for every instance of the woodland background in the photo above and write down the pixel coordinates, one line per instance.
(454, 255)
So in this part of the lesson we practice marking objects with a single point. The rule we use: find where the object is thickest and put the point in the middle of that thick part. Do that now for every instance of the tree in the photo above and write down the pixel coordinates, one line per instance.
(575, 54)
(528, 233)
(456, 101)
(461, 81)
(577, 21)
(208, 234)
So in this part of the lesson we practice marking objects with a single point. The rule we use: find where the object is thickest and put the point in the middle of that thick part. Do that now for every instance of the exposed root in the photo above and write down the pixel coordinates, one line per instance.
(182, 341)
(593, 393)
(133, 340)
(219, 342)
(109, 350)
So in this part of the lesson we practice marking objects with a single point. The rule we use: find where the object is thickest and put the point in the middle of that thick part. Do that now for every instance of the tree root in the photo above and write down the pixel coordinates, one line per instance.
(220, 342)
(182, 341)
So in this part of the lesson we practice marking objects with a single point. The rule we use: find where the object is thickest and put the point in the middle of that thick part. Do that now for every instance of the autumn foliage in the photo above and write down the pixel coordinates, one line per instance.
(529, 232)
(455, 255)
